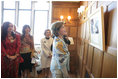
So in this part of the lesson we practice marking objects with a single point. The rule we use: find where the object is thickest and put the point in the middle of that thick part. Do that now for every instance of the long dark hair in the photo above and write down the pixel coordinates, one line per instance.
(23, 31)
(4, 31)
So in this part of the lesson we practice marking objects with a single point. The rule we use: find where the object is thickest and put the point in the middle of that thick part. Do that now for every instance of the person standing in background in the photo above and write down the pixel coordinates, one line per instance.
(10, 45)
(65, 37)
(46, 54)
(26, 51)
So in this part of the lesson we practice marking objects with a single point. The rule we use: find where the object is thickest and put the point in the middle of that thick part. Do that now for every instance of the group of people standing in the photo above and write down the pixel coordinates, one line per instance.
(17, 51)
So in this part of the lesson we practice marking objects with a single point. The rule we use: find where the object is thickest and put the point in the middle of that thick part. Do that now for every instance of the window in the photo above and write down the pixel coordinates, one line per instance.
(9, 15)
(24, 18)
(41, 22)
(9, 4)
(21, 15)
(42, 5)
(24, 14)
(9, 11)
(25, 4)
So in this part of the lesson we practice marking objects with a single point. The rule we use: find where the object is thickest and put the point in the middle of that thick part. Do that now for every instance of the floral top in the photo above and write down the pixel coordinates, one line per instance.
(27, 44)
(11, 47)
(61, 55)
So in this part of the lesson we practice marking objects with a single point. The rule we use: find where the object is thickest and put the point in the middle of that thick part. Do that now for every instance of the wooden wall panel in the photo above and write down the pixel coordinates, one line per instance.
(85, 53)
(54, 20)
(65, 12)
(79, 74)
(62, 4)
(89, 58)
(56, 13)
(83, 71)
(78, 49)
(79, 32)
(97, 63)
(109, 66)
(73, 13)
(73, 32)
(81, 50)
(100, 63)
(73, 47)
(72, 58)
(71, 23)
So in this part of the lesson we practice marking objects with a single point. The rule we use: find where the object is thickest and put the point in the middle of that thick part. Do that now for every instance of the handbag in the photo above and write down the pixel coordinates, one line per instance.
(20, 59)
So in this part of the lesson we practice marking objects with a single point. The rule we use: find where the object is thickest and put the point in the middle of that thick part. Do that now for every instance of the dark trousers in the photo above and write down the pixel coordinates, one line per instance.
(26, 64)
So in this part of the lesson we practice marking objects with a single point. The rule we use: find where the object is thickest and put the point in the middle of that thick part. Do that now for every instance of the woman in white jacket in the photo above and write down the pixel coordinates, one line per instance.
(46, 54)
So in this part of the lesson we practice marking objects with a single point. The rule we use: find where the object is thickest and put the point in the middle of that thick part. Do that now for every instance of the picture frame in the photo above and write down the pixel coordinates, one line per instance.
(97, 32)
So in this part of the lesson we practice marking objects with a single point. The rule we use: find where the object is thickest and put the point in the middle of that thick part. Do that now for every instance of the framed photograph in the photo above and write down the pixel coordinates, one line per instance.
(97, 33)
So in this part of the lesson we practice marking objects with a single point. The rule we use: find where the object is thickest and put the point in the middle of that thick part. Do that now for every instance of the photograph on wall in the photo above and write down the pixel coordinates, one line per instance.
(97, 37)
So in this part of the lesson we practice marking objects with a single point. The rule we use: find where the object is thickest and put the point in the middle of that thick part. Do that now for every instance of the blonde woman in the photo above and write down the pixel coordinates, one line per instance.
(61, 56)
(46, 53)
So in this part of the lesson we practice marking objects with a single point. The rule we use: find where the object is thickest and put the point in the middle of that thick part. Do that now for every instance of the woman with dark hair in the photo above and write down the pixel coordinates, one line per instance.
(26, 51)
(10, 44)
(65, 37)
(61, 56)
(46, 53)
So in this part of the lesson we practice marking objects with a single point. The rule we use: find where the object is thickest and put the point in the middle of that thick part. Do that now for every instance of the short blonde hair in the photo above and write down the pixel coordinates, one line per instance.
(56, 27)
(46, 31)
